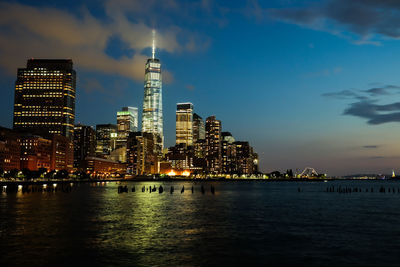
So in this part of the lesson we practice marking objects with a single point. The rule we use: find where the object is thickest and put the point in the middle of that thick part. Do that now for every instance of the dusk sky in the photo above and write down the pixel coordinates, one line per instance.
(307, 83)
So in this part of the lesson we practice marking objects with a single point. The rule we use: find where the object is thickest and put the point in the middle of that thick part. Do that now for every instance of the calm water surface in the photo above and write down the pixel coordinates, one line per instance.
(244, 223)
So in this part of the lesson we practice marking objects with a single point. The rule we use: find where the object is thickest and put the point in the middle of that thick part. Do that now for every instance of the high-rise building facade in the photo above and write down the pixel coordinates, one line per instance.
(45, 97)
(228, 153)
(127, 121)
(106, 137)
(141, 159)
(152, 117)
(84, 144)
(246, 159)
(199, 132)
(213, 144)
(184, 124)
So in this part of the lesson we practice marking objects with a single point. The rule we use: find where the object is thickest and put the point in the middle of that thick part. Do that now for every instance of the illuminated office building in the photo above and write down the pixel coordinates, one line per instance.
(106, 137)
(199, 132)
(36, 152)
(45, 97)
(184, 124)
(127, 121)
(152, 117)
(213, 145)
(53, 152)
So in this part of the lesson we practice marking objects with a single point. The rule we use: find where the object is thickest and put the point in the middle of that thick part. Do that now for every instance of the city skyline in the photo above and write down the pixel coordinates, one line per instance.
(319, 95)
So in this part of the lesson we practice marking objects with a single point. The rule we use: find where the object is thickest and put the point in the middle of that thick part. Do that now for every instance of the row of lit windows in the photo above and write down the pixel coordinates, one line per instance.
(37, 115)
(44, 108)
(28, 96)
(41, 81)
(42, 73)
(42, 87)
(39, 123)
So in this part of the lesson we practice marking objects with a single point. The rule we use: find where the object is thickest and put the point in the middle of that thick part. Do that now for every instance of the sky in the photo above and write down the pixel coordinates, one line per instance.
(308, 83)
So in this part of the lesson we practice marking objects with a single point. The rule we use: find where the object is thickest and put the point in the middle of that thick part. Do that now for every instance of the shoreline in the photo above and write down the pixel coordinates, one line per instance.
(145, 179)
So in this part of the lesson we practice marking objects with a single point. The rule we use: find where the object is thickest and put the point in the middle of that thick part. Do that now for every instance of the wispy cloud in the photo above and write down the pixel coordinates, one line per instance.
(374, 113)
(367, 106)
(43, 32)
(367, 19)
(385, 90)
(345, 94)
(371, 146)
(323, 73)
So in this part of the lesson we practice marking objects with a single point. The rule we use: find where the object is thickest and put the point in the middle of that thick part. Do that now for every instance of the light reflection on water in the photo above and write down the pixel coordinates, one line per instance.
(243, 223)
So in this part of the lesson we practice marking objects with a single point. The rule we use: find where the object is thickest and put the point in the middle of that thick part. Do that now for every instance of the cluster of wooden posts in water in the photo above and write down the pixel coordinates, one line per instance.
(160, 189)
(14, 188)
(349, 190)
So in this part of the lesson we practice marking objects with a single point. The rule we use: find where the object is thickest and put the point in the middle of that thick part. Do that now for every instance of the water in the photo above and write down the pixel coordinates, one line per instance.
(257, 223)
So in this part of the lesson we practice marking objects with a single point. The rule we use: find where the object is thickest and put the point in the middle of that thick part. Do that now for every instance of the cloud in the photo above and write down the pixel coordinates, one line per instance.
(376, 157)
(344, 94)
(374, 113)
(323, 73)
(371, 146)
(358, 94)
(43, 32)
(93, 85)
(385, 90)
(366, 105)
(367, 19)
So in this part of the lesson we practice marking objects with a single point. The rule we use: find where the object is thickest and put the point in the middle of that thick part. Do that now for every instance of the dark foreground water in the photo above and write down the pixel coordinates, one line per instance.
(244, 223)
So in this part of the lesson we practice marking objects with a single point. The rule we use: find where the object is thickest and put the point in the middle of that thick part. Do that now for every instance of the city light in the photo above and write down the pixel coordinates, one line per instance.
(172, 173)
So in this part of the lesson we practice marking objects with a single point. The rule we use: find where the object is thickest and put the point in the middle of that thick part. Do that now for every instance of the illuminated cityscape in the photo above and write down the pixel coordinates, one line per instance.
(41, 124)
(199, 133)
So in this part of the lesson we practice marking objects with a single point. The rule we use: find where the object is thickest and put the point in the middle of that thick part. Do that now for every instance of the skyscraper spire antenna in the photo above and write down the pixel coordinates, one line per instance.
(153, 51)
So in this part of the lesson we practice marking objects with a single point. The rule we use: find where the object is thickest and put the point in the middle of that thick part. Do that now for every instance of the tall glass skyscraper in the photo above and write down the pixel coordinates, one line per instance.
(152, 119)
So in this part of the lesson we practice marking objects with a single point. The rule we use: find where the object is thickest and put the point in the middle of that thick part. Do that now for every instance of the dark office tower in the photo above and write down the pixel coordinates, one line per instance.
(246, 159)
(213, 145)
(228, 153)
(106, 137)
(84, 144)
(45, 97)
(184, 124)
(199, 132)
(141, 158)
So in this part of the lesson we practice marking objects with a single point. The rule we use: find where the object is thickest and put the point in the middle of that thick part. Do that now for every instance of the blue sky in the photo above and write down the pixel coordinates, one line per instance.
(307, 83)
